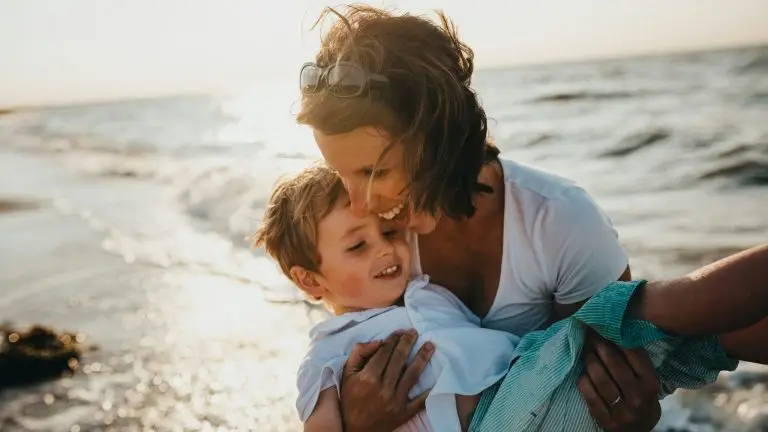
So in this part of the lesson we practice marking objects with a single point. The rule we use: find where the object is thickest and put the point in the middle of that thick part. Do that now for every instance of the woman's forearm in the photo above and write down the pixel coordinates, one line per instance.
(727, 295)
(748, 344)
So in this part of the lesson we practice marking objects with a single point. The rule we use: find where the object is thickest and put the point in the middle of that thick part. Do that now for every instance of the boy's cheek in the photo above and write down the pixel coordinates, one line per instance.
(404, 253)
(353, 286)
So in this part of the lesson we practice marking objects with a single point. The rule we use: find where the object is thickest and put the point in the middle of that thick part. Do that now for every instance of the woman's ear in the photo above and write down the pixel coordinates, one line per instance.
(307, 282)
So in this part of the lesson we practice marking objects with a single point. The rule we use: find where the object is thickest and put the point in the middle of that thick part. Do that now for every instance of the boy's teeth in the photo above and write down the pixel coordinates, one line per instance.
(388, 271)
(392, 213)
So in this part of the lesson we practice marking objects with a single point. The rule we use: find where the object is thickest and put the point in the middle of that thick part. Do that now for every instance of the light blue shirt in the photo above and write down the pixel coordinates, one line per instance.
(467, 359)
(540, 390)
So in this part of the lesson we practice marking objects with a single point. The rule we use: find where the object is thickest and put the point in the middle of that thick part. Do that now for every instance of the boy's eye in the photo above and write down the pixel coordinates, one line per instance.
(356, 247)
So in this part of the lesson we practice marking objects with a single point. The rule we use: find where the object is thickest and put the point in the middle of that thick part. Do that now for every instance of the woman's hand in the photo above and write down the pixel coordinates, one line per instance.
(376, 381)
(620, 387)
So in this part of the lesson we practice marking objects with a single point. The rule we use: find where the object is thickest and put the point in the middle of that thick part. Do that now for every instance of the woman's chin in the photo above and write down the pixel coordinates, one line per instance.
(422, 223)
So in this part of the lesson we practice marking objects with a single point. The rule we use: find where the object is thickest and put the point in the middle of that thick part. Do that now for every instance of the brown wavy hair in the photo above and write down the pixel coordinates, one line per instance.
(428, 106)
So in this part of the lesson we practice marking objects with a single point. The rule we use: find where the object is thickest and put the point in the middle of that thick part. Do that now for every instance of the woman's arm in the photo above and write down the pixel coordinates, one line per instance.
(745, 344)
(728, 297)
(725, 296)
(326, 417)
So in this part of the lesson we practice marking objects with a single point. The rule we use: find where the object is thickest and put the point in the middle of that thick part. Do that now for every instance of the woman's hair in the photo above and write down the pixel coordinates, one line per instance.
(428, 106)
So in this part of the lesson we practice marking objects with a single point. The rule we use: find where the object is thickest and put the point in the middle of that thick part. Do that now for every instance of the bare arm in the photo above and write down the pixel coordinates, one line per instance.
(728, 297)
(327, 416)
(745, 344)
(465, 405)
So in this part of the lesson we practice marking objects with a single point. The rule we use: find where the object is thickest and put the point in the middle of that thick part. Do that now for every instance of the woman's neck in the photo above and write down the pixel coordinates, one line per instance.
(464, 255)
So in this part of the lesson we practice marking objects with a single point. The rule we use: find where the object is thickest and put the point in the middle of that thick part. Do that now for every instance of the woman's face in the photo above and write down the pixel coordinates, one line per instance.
(353, 155)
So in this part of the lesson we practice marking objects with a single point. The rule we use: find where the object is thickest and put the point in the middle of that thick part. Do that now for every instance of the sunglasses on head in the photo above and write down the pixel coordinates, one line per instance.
(341, 79)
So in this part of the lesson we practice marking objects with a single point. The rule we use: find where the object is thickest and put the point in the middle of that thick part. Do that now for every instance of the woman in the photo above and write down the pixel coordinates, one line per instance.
(389, 100)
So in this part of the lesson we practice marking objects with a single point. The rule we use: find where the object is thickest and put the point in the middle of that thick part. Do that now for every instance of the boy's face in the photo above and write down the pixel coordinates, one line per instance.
(364, 262)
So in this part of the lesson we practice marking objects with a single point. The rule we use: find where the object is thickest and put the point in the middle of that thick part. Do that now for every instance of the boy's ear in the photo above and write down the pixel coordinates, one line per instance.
(307, 281)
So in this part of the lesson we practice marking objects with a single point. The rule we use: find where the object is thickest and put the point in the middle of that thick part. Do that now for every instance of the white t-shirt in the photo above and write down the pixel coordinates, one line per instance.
(467, 358)
(559, 246)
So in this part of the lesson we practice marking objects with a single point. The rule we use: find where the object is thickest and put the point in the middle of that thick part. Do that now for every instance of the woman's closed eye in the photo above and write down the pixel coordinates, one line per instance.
(390, 233)
(370, 173)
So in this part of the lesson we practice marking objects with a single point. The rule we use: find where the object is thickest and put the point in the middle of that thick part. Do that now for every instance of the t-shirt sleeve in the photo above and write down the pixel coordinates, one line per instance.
(579, 246)
(315, 375)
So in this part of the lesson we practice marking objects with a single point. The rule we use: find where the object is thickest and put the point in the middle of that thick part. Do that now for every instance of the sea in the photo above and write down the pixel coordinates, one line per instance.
(128, 222)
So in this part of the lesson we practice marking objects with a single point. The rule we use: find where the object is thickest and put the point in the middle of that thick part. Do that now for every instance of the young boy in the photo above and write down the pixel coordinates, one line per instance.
(360, 268)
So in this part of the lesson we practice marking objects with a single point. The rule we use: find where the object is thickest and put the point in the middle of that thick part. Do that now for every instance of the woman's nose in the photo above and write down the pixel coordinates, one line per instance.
(358, 200)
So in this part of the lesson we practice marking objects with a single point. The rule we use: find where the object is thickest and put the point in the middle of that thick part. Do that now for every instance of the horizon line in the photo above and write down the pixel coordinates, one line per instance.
(490, 68)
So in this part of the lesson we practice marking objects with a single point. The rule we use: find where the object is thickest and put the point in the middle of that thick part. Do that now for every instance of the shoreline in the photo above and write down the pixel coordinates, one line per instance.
(177, 346)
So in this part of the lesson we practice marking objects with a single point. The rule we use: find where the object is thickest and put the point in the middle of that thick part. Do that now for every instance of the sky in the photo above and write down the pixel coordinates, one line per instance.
(54, 51)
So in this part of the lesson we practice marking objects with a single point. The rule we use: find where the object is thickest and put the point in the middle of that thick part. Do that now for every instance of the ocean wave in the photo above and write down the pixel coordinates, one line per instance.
(9, 205)
(29, 140)
(538, 140)
(747, 172)
(584, 95)
(117, 166)
(742, 149)
(226, 199)
(635, 142)
(759, 63)
(758, 98)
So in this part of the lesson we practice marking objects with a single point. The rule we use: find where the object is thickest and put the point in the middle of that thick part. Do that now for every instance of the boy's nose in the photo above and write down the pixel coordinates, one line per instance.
(386, 248)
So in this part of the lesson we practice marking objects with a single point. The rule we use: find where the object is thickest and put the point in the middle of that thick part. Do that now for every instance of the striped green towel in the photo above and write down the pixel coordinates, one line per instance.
(540, 390)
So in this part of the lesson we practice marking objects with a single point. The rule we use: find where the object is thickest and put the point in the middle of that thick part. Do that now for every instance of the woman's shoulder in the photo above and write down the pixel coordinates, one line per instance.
(520, 178)
(541, 200)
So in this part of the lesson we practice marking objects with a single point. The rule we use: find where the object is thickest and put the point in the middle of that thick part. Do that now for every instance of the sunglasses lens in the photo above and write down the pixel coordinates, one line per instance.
(346, 80)
(309, 80)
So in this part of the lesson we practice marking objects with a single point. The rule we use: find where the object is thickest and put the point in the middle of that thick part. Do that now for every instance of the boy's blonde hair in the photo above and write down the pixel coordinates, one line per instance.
(288, 230)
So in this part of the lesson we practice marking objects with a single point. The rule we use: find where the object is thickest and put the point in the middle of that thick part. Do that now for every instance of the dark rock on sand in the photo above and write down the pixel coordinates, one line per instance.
(36, 354)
